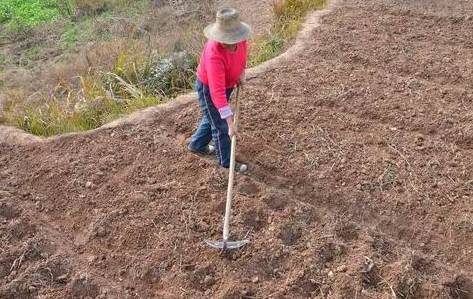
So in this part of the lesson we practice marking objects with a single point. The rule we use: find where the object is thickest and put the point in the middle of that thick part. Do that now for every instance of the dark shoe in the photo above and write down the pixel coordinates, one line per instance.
(209, 150)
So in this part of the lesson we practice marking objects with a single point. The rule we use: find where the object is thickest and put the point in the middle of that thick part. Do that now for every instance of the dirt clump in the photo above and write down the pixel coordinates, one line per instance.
(460, 288)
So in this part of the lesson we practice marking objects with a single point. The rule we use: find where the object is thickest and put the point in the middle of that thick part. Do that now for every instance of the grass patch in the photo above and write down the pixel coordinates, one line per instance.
(137, 76)
(57, 116)
(70, 36)
(79, 32)
(23, 15)
(289, 16)
(18, 14)
(136, 80)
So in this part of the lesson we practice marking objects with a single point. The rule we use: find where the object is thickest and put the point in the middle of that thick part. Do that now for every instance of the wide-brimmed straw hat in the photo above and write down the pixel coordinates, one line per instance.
(228, 28)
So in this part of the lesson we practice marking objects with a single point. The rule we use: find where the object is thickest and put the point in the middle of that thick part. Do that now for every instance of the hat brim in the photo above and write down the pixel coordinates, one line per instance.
(243, 32)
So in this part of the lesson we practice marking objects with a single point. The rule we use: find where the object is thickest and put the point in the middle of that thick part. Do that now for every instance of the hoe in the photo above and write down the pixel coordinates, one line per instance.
(225, 244)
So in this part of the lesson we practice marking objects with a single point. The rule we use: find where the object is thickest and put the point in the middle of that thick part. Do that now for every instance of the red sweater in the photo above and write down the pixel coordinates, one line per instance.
(220, 68)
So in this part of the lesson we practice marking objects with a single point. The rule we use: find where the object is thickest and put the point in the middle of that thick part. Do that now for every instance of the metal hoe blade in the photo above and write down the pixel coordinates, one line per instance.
(224, 245)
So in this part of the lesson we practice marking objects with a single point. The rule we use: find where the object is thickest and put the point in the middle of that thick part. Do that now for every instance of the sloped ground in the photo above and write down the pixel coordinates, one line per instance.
(360, 186)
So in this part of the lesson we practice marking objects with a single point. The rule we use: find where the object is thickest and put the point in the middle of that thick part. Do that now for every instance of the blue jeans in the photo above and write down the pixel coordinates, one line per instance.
(211, 127)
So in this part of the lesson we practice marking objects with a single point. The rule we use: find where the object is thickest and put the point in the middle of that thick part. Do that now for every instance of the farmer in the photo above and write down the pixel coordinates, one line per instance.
(221, 68)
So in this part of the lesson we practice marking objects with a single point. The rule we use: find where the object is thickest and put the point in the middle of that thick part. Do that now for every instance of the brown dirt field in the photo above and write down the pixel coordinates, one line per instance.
(360, 182)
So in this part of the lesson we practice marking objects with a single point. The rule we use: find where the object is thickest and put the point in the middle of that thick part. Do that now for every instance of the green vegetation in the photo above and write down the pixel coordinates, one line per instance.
(80, 32)
(18, 14)
(289, 16)
(93, 110)
(136, 76)
(136, 81)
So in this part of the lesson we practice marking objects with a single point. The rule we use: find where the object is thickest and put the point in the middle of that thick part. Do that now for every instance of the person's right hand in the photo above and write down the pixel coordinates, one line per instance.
(232, 130)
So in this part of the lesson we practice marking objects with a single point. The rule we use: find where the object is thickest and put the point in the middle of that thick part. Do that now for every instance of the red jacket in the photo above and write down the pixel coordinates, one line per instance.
(220, 68)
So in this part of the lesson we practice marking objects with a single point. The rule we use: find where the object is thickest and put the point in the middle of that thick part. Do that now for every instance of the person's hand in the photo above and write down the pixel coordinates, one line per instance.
(232, 130)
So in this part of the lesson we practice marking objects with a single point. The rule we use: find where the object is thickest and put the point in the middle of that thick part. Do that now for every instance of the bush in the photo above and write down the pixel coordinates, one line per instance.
(171, 75)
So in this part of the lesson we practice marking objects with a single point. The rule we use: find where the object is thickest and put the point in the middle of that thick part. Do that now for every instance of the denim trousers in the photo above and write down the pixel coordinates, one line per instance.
(212, 126)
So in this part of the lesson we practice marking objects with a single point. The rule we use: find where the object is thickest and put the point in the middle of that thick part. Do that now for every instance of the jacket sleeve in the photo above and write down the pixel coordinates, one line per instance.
(216, 78)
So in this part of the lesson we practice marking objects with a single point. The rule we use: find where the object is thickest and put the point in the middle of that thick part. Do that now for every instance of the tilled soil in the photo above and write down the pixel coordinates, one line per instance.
(360, 182)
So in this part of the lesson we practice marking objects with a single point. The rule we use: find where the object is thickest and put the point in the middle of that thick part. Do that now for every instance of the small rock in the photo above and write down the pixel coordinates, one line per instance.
(342, 268)
(91, 259)
(88, 185)
(32, 289)
(330, 274)
(358, 186)
(208, 280)
(255, 279)
(62, 278)
(203, 226)
(101, 232)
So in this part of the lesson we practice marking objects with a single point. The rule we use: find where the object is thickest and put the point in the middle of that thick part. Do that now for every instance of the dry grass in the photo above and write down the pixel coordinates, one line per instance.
(289, 16)
(109, 78)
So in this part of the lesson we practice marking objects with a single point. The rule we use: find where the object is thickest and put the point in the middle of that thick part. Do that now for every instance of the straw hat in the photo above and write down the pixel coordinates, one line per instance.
(228, 29)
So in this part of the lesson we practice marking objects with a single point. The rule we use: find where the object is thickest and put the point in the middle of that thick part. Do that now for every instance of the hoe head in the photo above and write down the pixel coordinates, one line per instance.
(224, 245)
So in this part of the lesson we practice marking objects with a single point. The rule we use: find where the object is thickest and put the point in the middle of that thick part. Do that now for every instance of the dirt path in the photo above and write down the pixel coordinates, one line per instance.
(361, 179)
